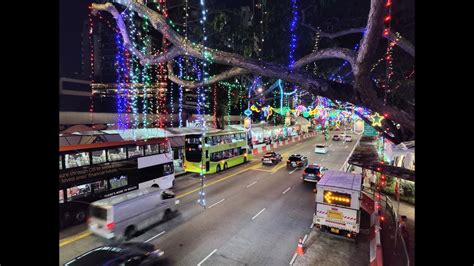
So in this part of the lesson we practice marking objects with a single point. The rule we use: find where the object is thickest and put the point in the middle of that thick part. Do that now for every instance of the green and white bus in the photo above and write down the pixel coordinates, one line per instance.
(221, 150)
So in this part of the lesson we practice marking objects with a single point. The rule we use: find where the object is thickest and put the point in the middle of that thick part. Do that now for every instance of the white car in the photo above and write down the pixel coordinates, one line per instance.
(320, 148)
(348, 138)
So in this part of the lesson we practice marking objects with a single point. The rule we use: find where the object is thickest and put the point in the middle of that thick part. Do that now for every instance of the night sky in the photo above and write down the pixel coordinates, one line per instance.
(72, 13)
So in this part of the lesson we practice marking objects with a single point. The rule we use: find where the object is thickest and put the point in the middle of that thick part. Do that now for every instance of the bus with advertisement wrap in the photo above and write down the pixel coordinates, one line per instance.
(89, 172)
(221, 150)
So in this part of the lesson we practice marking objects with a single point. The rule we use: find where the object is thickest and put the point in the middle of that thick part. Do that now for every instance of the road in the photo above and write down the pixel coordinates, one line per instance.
(255, 213)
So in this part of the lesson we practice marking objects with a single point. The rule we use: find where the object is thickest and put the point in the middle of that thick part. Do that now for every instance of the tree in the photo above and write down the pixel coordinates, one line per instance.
(362, 92)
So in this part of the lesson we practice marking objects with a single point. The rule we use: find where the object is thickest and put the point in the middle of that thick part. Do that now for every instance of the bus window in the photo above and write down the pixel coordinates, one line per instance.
(135, 151)
(236, 152)
(99, 186)
(77, 159)
(152, 149)
(98, 157)
(60, 162)
(117, 182)
(61, 196)
(242, 151)
(167, 169)
(78, 192)
(164, 148)
(117, 154)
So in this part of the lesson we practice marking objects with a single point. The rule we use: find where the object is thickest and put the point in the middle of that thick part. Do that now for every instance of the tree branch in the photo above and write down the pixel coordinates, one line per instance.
(144, 59)
(194, 84)
(341, 53)
(402, 42)
(362, 93)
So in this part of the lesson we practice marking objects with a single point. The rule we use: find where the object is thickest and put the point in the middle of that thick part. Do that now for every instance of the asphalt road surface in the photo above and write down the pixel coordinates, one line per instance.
(255, 214)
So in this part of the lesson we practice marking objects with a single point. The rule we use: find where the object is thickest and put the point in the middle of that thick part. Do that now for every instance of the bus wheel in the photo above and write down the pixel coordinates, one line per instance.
(80, 216)
(225, 166)
(156, 185)
(245, 159)
(218, 168)
(130, 232)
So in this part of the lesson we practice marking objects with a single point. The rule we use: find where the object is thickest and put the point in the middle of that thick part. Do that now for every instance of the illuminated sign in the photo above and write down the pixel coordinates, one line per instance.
(337, 198)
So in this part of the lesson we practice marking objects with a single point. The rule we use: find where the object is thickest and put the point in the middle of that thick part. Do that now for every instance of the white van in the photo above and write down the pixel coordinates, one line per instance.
(123, 215)
(320, 148)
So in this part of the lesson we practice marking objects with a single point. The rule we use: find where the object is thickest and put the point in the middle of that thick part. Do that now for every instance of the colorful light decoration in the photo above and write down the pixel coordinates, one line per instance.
(376, 119)
(293, 24)
(91, 61)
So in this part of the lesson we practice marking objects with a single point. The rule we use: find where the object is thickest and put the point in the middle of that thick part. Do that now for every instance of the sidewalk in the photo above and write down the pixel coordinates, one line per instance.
(394, 255)
(342, 252)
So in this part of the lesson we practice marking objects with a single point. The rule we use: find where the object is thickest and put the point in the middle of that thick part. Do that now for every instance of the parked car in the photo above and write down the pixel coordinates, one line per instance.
(348, 138)
(321, 148)
(312, 173)
(296, 161)
(127, 254)
(271, 158)
(336, 138)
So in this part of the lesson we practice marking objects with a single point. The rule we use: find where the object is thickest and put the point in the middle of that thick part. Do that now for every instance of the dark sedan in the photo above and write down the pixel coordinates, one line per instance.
(271, 158)
(312, 173)
(296, 161)
(130, 253)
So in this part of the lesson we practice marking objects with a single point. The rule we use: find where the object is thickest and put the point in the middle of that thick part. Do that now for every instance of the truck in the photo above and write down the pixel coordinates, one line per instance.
(122, 216)
(337, 210)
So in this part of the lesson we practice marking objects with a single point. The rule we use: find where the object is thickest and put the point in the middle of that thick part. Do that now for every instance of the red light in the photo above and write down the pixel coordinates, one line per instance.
(389, 3)
(385, 115)
(111, 226)
(382, 218)
(387, 18)
(383, 177)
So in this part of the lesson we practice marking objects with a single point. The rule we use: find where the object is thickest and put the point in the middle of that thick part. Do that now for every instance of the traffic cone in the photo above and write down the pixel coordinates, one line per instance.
(299, 249)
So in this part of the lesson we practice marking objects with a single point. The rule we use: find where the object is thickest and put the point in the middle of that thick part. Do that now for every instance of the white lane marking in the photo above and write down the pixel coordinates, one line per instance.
(292, 172)
(155, 236)
(345, 147)
(199, 264)
(322, 160)
(216, 203)
(293, 259)
(258, 213)
(251, 184)
(304, 239)
(311, 226)
(286, 190)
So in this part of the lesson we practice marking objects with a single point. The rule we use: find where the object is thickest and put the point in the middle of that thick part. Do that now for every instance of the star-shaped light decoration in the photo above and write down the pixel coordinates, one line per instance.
(376, 120)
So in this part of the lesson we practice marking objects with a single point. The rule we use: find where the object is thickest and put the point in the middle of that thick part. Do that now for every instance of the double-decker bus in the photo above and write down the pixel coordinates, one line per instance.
(89, 172)
(221, 150)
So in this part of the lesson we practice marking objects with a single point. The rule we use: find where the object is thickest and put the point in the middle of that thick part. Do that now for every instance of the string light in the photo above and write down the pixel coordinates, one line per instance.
(294, 20)
(91, 62)
(180, 100)
(215, 106)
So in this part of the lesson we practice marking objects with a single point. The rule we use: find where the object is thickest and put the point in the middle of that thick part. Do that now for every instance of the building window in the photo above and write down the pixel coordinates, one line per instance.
(135, 151)
(99, 186)
(117, 154)
(98, 157)
(117, 182)
(77, 192)
(152, 149)
(61, 196)
(77, 159)
(60, 163)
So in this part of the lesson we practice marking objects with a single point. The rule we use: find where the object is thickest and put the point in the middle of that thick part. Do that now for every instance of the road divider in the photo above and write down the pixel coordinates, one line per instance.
(286, 190)
(150, 239)
(258, 213)
(251, 184)
(216, 203)
(207, 257)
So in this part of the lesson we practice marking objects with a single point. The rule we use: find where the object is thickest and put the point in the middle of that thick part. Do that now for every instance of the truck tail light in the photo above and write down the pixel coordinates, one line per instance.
(110, 226)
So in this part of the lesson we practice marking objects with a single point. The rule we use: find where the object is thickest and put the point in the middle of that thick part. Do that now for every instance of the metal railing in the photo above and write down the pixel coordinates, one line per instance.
(388, 205)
